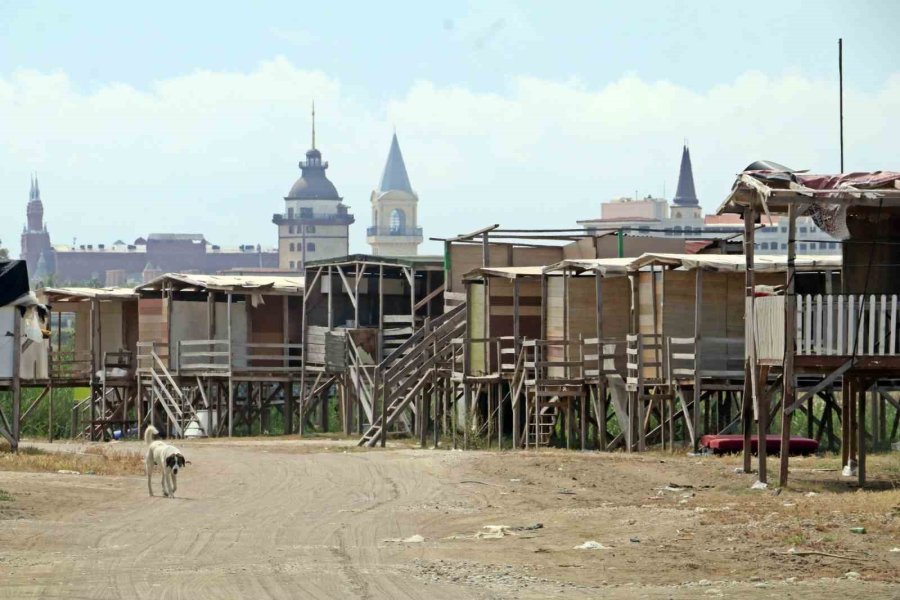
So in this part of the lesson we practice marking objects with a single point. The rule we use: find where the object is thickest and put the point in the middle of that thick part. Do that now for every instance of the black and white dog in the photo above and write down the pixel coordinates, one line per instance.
(168, 457)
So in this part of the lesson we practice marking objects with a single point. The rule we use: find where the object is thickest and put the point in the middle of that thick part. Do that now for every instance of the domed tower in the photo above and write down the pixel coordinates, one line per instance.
(315, 223)
(35, 238)
(394, 230)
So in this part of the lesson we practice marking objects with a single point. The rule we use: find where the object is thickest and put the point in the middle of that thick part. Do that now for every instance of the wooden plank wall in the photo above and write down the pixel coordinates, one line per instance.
(646, 309)
(529, 307)
(722, 312)
(465, 258)
(152, 320)
(475, 326)
(315, 345)
(265, 324)
(582, 308)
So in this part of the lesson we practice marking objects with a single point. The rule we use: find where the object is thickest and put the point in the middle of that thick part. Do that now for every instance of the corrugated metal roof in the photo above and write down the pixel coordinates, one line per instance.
(231, 283)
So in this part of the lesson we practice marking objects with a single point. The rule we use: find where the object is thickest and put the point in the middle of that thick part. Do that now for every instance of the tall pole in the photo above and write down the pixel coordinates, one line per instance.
(841, 93)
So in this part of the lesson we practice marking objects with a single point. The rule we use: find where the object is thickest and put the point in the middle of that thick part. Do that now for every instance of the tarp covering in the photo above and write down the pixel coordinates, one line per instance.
(609, 267)
(604, 266)
(74, 294)
(13, 281)
(825, 198)
(737, 262)
(506, 272)
(230, 283)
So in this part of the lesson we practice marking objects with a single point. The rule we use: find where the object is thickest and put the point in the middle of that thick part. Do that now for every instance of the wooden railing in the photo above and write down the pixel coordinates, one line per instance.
(646, 360)
(475, 357)
(603, 357)
(718, 357)
(223, 357)
(68, 364)
(829, 325)
(145, 352)
(845, 325)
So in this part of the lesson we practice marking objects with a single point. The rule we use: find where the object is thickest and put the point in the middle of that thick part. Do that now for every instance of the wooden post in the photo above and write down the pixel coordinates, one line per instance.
(412, 299)
(230, 382)
(852, 419)
(466, 393)
(845, 421)
(747, 416)
(380, 301)
(747, 396)
(861, 433)
(16, 389)
(790, 332)
(287, 386)
(304, 354)
(582, 417)
(762, 429)
(602, 411)
(698, 341)
(330, 299)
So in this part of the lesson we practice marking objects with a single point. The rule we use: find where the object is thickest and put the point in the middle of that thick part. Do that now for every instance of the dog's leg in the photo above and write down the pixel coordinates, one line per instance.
(165, 482)
(174, 483)
(148, 467)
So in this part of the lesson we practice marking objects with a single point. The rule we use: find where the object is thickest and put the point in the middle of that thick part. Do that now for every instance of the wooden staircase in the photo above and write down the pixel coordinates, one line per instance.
(410, 369)
(539, 432)
(169, 395)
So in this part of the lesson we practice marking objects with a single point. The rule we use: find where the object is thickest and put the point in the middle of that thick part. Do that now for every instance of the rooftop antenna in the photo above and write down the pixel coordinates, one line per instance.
(841, 94)
(314, 125)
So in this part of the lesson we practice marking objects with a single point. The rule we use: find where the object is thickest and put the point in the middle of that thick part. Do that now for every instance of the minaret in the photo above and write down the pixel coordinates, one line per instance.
(35, 238)
(394, 230)
(315, 224)
(685, 204)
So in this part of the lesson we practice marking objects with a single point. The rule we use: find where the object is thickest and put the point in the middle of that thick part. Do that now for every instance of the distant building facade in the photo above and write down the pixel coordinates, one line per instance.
(684, 218)
(394, 230)
(315, 224)
(124, 264)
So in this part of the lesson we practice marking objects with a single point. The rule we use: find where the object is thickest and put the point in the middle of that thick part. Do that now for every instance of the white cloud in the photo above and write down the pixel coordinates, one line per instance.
(214, 152)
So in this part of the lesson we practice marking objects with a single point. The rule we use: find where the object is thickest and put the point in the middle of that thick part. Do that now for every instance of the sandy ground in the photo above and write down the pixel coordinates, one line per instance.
(313, 519)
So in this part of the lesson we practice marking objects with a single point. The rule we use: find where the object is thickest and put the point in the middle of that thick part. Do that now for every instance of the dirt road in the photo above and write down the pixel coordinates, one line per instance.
(261, 520)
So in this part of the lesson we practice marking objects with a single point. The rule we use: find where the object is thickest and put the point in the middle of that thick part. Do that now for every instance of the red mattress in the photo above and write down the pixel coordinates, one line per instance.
(726, 444)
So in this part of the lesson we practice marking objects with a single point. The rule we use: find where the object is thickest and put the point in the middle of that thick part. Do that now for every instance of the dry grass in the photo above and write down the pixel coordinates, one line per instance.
(90, 460)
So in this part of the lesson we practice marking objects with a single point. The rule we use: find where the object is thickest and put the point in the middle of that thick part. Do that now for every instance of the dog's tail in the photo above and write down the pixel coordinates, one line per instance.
(149, 433)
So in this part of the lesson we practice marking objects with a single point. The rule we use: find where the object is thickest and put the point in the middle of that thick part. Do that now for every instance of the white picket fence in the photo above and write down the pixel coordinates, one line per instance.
(840, 325)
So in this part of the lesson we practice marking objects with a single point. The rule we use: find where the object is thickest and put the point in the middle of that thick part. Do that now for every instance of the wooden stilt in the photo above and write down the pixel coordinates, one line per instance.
(861, 435)
(846, 390)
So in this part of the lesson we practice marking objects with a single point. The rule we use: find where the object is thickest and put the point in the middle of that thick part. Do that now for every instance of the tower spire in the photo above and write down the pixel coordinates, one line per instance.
(395, 176)
(31, 191)
(37, 188)
(685, 194)
(314, 125)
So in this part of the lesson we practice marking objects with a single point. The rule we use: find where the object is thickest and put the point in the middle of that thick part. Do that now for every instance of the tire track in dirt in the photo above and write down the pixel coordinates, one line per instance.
(246, 523)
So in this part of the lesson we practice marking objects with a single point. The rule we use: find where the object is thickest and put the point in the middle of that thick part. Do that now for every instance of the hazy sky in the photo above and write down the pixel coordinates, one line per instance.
(191, 117)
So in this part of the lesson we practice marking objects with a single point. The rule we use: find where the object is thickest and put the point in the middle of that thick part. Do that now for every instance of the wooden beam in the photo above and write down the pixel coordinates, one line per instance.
(430, 296)
(790, 333)
(230, 383)
(698, 332)
(16, 389)
(347, 287)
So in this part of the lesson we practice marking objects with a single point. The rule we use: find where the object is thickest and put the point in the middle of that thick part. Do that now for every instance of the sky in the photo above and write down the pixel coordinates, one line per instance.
(191, 117)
